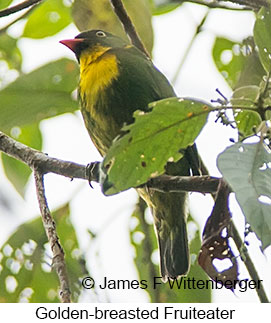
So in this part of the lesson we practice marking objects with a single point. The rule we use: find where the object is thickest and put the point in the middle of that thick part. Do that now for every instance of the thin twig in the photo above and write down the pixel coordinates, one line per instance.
(50, 228)
(248, 263)
(201, 184)
(18, 7)
(254, 4)
(128, 25)
(24, 15)
(245, 256)
(188, 48)
(218, 5)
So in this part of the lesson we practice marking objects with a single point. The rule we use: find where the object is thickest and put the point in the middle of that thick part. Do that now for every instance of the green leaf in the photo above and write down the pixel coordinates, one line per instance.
(5, 3)
(25, 261)
(246, 167)
(246, 121)
(153, 139)
(262, 37)
(144, 241)
(17, 172)
(162, 7)
(252, 71)
(246, 96)
(9, 51)
(43, 93)
(48, 19)
(228, 59)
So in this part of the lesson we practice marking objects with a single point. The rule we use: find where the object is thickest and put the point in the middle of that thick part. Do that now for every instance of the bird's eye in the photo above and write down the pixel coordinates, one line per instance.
(100, 34)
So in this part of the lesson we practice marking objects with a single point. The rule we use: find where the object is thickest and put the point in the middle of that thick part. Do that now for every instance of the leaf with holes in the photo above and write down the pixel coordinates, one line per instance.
(215, 245)
(26, 274)
(153, 139)
(43, 93)
(238, 62)
(228, 59)
(246, 167)
(262, 37)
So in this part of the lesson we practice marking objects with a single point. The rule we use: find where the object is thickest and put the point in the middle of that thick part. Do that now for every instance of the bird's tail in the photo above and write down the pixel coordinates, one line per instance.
(174, 254)
(169, 213)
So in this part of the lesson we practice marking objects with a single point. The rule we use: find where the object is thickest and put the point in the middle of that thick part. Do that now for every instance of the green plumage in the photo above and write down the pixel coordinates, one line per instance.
(137, 83)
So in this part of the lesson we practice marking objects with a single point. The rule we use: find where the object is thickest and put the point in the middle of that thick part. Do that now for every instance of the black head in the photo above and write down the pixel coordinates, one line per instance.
(91, 39)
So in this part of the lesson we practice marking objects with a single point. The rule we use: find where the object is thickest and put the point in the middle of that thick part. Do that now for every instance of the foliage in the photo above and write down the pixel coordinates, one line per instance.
(17, 172)
(48, 19)
(154, 138)
(45, 92)
(246, 168)
(26, 274)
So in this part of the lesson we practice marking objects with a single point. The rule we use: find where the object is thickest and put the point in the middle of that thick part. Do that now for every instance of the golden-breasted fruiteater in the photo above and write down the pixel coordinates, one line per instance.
(116, 79)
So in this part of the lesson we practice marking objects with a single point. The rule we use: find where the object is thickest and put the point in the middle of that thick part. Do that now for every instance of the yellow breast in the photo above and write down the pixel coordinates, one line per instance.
(98, 69)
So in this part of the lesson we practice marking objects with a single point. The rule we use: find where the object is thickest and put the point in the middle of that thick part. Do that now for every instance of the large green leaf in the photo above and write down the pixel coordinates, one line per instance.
(238, 62)
(43, 93)
(17, 172)
(145, 243)
(262, 37)
(153, 139)
(246, 167)
(48, 19)
(25, 262)
(9, 51)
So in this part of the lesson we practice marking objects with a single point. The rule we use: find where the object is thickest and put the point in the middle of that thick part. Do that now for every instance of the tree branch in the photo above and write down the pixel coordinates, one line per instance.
(37, 160)
(128, 25)
(24, 15)
(20, 6)
(245, 4)
(216, 5)
(50, 228)
(167, 183)
(188, 48)
(248, 262)
(253, 4)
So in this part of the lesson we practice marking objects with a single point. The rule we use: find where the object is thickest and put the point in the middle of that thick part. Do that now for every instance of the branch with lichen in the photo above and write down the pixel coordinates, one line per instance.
(58, 264)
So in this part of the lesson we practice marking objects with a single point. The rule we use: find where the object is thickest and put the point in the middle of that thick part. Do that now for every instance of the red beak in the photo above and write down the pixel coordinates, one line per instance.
(72, 43)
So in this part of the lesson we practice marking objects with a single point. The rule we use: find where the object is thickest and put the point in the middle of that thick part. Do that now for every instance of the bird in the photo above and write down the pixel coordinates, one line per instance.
(116, 79)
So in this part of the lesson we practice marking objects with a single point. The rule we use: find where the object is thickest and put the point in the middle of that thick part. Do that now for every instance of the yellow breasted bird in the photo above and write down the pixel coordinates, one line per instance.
(116, 79)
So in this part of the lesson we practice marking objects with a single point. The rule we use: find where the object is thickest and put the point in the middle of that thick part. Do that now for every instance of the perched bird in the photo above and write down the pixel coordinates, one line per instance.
(116, 79)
